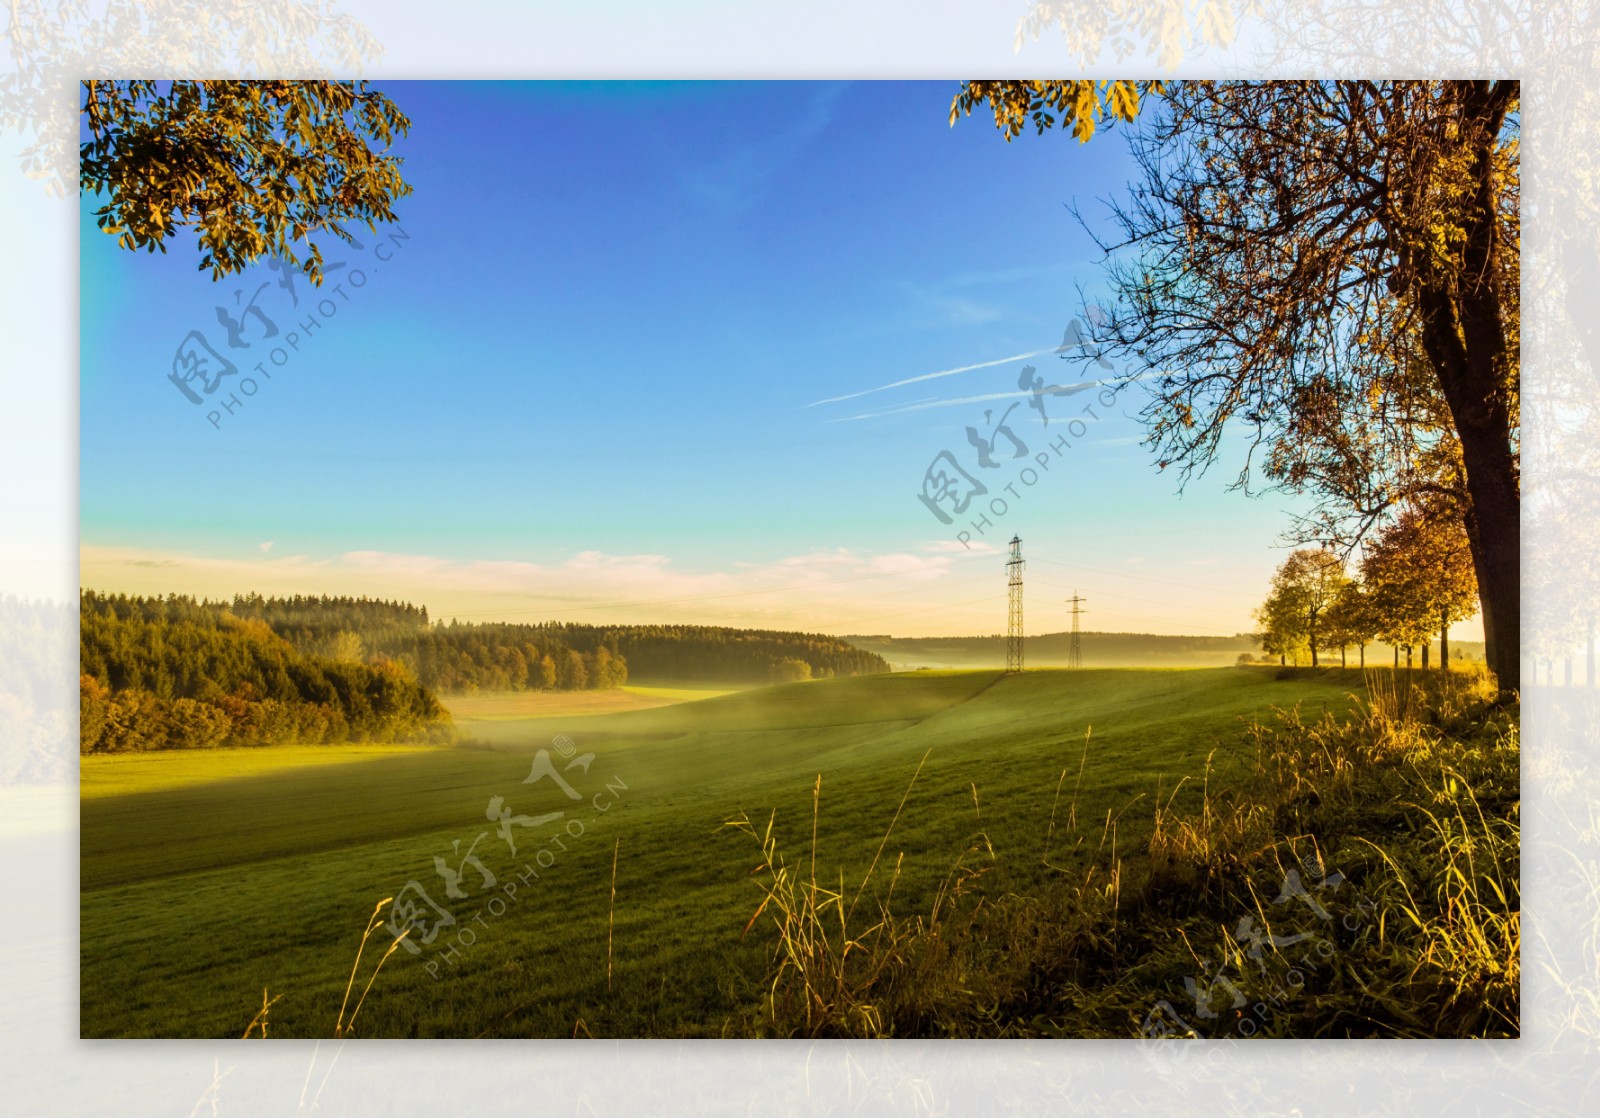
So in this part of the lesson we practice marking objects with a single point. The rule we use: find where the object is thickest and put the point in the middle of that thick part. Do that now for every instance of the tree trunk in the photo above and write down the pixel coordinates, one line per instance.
(1444, 642)
(1408, 656)
(1341, 657)
(1497, 560)
(1363, 658)
(1463, 334)
(1397, 656)
(1425, 647)
(1311, 631)
(1566, 671)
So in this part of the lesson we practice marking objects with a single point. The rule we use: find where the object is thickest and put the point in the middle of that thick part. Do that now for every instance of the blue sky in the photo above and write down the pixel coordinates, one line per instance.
(583, 382)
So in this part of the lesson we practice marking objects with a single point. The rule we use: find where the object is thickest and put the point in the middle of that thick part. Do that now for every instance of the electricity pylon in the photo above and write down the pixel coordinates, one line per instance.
(1074, 650)
(1014, 614)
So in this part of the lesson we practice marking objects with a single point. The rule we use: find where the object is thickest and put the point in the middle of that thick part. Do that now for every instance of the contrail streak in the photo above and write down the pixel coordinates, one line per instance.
(1053, 390)
(931, 376)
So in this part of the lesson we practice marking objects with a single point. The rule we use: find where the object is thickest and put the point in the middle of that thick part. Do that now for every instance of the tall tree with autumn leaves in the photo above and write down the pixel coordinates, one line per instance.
(1304, 591)
(1328, 271)
(1420, 575)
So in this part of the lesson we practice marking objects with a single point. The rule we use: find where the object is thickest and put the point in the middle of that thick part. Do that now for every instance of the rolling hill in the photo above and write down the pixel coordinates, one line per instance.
(210, 875)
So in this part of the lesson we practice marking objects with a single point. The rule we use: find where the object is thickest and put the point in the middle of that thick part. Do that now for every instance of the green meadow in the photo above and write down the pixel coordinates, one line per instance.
(211, 876)
(482, 711)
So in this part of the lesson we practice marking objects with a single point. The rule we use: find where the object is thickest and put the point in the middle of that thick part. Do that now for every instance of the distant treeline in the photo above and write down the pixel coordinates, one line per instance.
(716, 653)
(446, 658)
(1097, 650)
(182, 672)
(1042, 650)
(497, 656)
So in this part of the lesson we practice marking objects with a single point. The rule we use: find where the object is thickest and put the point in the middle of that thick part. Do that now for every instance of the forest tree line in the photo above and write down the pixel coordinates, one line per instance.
(174, 672)
(184, 672)
(548, 656)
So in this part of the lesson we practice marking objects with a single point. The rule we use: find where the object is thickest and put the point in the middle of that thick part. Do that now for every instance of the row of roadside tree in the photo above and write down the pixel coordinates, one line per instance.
(1413, 580)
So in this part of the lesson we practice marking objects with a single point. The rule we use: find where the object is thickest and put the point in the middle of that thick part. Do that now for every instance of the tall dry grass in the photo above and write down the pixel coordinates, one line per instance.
(826, 969)
(1415, 801)
(1411, 805)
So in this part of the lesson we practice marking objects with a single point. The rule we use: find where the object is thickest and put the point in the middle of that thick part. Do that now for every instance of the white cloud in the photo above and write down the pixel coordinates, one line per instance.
(929, 587)
(909, 566)
(837, 589)
(976, 547)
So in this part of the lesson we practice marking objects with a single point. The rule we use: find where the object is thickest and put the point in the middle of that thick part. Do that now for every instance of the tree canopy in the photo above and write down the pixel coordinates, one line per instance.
(1420, 571)
(1078, 105)
(1304, 589)
(256, 168)
(1351, 620)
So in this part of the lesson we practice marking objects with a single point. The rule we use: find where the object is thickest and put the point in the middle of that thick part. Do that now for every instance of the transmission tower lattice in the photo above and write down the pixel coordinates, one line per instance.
(1075, 650)
(1014, 614)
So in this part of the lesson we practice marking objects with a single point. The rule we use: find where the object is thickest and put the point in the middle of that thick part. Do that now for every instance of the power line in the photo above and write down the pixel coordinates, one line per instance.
(1153, 601)
(923, 609)
(1138, 578)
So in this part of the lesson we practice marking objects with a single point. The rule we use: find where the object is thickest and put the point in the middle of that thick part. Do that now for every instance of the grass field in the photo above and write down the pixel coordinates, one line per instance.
(472, 710)
(210, 875)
